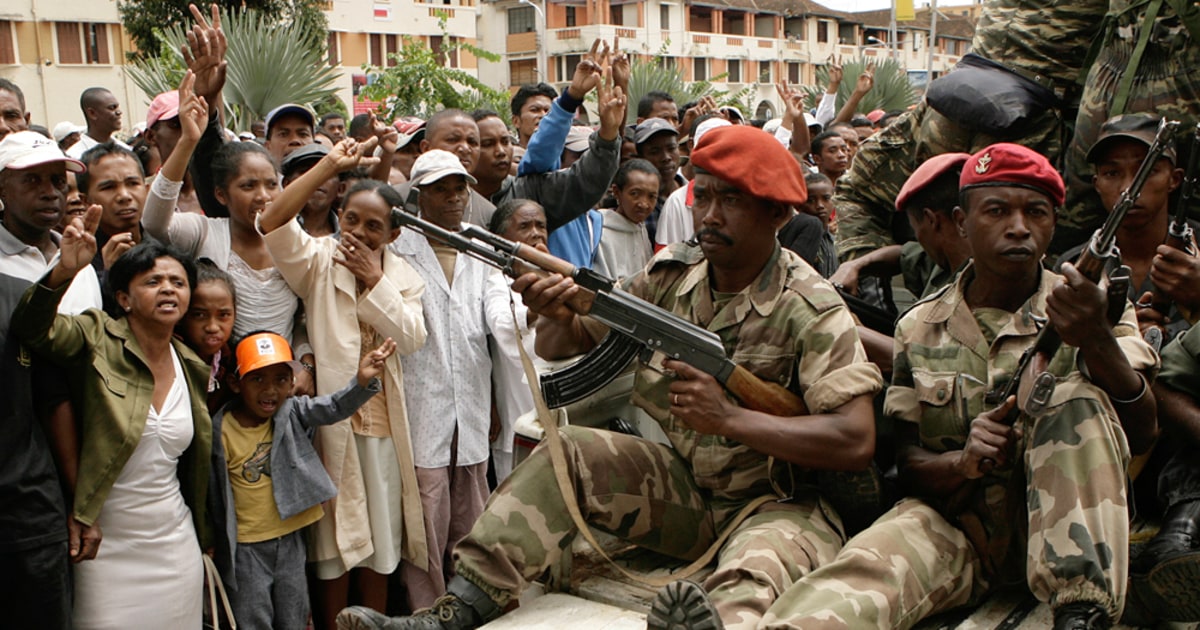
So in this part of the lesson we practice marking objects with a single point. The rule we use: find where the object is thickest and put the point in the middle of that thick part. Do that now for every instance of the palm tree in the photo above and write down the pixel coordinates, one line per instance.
(269, 64)
(656, 75)
(892, 90)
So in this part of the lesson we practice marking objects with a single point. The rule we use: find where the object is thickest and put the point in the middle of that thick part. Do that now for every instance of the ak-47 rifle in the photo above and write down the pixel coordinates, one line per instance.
(641, 328)
(1179, 234)
(1091, 263)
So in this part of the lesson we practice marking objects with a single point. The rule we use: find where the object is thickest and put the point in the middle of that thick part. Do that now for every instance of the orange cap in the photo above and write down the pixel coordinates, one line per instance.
(260, 350)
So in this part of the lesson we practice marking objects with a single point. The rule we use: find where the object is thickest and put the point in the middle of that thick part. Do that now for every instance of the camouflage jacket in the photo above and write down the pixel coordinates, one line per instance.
(1045, 40)
(943, 369)
(1181, 363)
(788, 327)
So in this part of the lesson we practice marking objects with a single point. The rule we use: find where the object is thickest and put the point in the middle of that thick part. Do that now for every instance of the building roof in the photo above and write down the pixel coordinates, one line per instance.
(948, 26)
(788, 8)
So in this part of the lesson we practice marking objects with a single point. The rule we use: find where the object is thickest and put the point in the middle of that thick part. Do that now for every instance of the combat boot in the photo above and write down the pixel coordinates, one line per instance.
(1166, 574)
(463, 607)
(683, 605)
(1081, 616)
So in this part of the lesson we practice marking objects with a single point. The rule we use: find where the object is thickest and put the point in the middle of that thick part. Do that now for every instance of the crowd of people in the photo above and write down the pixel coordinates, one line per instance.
(226, 350)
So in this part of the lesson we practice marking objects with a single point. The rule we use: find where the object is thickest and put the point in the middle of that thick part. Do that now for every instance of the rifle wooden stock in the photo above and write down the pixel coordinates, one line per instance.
(759, 395)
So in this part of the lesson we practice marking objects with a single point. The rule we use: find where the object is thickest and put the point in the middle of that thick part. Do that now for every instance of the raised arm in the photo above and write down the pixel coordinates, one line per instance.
(546, 145)
(348, 154)
(164, 190)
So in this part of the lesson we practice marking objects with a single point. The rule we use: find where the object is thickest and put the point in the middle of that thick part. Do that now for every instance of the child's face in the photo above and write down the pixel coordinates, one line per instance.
(265, 389)
(209, 319)
(636, 200)
(820, 201)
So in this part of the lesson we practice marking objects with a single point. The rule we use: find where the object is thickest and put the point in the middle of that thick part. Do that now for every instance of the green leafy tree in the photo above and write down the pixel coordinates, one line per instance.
(268, 65)
(892, 89)
(144, 19)
(421, 82)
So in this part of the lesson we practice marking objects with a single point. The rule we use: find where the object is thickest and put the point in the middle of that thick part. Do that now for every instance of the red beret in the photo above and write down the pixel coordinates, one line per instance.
(928, 172)
(1005, 164)
(753, 161)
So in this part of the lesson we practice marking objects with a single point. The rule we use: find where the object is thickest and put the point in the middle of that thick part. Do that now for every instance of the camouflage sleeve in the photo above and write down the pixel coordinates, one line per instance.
(833, 367)
(1140, 355)
(901, 400)
(866, 194)
(1181, 363)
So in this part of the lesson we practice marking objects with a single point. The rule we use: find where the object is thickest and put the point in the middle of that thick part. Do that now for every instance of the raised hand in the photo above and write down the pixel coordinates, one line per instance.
(587, 74)
(193, 109)
(118, 244)
(612, 107)
(835, 73)
(351, 153)
(791, 104)
(204, 53)
(621, 67)
(373, 362)
(866, 80)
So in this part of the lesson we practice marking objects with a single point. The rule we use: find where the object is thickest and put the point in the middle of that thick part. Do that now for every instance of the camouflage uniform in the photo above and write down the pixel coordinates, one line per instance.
(1167, 84)
(1058, 521)
(1179, 480)
(788, 327)
(1043, 40)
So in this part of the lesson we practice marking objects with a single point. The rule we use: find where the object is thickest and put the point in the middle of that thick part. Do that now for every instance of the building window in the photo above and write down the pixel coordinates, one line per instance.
(616, 15)
(82, 42)
(521, 20)
(699, 69)
(567, 64)
(664, 17)
(8, 51)
(571, 16)
(734, 71)
(522, 72)
(794, 73)
(764, 72)
(822, 32)
(331, 46)
(381, 49)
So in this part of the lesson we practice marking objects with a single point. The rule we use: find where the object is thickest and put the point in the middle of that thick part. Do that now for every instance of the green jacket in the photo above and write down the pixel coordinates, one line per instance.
(116, 383)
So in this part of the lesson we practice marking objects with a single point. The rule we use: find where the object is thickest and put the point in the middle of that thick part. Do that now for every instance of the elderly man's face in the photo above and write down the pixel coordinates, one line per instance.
(12, 116)
(34, 199)
(528, 225)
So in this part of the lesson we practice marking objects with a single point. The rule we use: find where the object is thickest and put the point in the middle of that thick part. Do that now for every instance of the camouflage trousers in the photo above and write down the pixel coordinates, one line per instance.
(1167, 84)
(913, 562)
(643, 492)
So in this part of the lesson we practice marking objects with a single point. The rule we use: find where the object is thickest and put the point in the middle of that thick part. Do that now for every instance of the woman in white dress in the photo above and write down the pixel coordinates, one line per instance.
(146, 437)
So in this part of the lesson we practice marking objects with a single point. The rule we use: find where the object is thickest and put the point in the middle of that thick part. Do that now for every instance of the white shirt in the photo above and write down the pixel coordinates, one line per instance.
(27, 263)
(448, 382)
(675, 223)
(76, 151)
(513, 397)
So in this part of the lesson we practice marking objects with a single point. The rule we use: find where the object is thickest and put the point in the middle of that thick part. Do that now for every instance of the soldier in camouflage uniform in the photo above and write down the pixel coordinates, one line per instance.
(1042, 501)
(1044, 41)
(1165, 81)
(777, 318)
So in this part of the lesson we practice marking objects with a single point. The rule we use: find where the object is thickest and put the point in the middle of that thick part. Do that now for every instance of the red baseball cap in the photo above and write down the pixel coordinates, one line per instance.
(1006, 164)
(928, 172)
(165, 106)
(754, 161)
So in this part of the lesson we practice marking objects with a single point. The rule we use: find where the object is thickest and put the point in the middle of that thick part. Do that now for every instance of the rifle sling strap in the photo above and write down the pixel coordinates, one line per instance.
(1122, 97)
(558, 457)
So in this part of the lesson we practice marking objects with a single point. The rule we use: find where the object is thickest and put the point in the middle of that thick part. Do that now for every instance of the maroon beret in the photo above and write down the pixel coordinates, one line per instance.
(1006, 164)
(753, 161)
(927, 173)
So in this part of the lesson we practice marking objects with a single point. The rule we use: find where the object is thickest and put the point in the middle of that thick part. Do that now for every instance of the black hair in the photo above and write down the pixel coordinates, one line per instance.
(529, 91)
(358, 125)
(142, 149)
(861, 121)
(356, 173)
(9, 86)
(758, 123)
(389, 195)
(138, 259)
(818, 141)
(650, 99)
(498, 224)
(208, 271)
(940, 195)
(480, 115)
(90, 96)
(99, 152)
(817, 178)
(228, 159)
(838, 125)
(330, 116)
(697, 121)
(636, 164)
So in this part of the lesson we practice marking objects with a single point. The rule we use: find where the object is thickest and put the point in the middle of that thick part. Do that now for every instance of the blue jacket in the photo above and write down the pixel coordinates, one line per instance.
(299, 480)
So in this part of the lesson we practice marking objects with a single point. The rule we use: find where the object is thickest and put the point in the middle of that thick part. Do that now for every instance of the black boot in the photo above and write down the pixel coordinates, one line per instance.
(683, 605)
(1166, 574)
(1081, 616)
(463, 607)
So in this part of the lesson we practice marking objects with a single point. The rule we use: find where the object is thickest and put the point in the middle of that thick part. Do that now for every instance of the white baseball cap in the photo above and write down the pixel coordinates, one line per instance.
(24, 149)
(66, 128)
(707, 126)
(436, 164)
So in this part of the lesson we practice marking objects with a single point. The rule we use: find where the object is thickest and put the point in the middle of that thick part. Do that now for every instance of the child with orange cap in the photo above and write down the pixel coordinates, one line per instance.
(259, 515)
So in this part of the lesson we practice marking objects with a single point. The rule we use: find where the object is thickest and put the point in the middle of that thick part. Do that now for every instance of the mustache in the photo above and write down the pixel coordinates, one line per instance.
(703, 232)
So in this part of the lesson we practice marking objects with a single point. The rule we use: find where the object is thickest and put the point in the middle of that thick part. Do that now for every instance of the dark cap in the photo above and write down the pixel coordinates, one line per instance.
(928, 172)
(308, 154)
(651, 127)
(290, 109)
(737, 154)
(1006, 164)
(1139, 127)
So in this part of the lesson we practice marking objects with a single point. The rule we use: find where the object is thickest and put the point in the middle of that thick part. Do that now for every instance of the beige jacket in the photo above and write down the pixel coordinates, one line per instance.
(393, 308)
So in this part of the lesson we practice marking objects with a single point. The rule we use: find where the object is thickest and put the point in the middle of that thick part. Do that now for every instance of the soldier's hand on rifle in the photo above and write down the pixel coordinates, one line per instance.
(989, 442)
(587, 74)
(1148, 317)
(547, 296)
(1078, 309)
(697, 399)
(846, 277)
(1178, 275)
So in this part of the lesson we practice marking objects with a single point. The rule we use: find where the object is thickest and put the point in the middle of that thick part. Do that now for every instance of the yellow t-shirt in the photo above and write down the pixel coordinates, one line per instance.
(248, 458)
